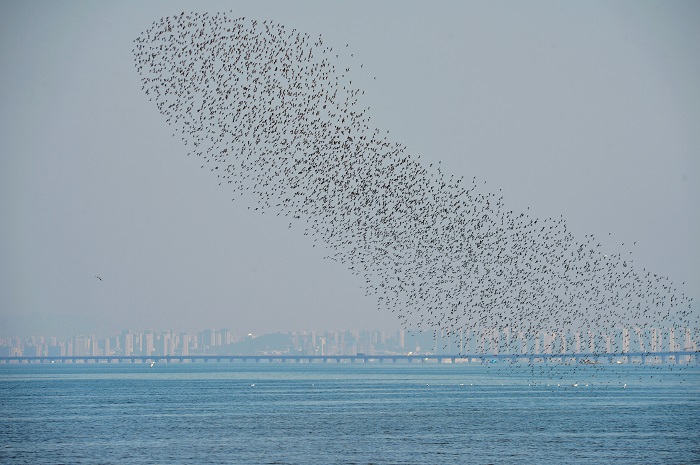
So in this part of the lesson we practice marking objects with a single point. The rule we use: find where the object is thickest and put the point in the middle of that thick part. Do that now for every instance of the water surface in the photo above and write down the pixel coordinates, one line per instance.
(348, 413)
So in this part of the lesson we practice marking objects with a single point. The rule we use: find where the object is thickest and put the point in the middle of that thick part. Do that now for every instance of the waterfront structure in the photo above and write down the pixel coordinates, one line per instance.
(678, 357)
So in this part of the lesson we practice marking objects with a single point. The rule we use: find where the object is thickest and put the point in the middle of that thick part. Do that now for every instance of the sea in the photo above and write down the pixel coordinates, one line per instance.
(348, 413)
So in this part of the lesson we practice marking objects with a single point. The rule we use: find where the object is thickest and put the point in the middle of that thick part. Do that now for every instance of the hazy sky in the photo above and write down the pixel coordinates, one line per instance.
(588, 110)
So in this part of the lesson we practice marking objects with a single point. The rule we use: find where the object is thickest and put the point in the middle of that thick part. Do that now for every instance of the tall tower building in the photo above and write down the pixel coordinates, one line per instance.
(401, 338)
(127, 342)
(655, 340)
(81, 346)
(185, 344)
(591, 342)
(94, 348)
(668, 340)
(165, 340)
(148, 344)
(522, 343)
(226, 337)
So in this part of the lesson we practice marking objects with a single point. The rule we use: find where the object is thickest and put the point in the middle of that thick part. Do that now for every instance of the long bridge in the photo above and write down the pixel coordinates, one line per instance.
(676, 357)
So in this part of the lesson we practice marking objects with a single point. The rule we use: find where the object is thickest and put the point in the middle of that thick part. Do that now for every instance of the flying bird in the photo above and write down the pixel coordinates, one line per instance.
(274, 115)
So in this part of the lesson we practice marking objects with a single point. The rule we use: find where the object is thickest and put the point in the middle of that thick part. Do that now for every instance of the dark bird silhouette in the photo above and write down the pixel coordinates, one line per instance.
(274, 115)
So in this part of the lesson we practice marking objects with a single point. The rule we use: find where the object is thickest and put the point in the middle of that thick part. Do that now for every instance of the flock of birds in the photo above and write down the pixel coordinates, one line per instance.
(273, 113)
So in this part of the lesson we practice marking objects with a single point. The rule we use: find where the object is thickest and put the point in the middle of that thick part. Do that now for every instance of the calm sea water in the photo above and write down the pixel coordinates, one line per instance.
(347, 414)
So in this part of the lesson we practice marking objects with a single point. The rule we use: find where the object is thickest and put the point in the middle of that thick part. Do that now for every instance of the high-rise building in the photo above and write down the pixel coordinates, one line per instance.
(185, 338)
(636, 339)
(226, 337)
(687, 340)
(209, 338)
(166, 348)
(591, 342)
(616, 336)
(127, 342)
(148, 343)
(81, 346)
(666, 340)
(94, 347)
(401, 338)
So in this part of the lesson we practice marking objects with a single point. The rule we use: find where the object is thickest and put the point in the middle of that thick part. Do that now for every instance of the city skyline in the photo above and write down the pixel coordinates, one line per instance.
(353, 342)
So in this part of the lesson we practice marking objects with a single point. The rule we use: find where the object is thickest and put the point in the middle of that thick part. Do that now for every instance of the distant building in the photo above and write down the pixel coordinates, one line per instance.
(127, 342)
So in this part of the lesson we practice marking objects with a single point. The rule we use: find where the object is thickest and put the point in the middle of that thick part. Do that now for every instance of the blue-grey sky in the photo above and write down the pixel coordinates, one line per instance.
(588, 110)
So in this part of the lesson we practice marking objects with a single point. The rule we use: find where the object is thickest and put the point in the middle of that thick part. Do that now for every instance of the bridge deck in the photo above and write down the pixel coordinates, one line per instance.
(643, 357)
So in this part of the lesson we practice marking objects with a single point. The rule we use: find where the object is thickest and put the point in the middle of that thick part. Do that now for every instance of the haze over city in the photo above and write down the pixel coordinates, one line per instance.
(585, 111)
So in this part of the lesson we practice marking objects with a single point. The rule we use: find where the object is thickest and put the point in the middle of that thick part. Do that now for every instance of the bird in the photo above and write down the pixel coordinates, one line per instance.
(276, 116)
(98, 277)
